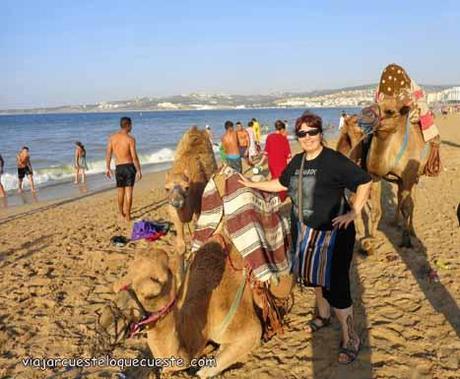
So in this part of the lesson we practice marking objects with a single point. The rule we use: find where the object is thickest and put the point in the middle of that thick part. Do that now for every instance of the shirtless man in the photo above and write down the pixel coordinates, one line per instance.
(2, 164)
(243, 140)
(231, 147)
(128, 168)
(24, 168)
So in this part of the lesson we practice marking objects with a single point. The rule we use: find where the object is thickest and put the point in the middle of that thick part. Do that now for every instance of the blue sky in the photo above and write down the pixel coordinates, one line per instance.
(55, 52)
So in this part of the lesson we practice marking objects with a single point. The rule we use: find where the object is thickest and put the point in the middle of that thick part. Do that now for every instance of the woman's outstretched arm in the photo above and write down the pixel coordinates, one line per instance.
(273, 185)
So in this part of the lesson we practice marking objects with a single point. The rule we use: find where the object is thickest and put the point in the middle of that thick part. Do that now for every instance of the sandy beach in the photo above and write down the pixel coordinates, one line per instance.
(57, 267)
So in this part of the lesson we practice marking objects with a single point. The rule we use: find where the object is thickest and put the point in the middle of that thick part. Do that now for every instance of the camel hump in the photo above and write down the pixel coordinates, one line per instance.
(394, 80)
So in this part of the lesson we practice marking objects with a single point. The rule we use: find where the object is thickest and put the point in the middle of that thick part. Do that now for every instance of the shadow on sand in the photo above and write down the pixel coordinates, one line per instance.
(417, 261)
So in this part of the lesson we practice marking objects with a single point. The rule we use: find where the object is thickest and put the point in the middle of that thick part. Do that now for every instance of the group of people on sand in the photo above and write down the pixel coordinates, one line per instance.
(315, 180)
(241, 144)
(24, 169)
(122, 145)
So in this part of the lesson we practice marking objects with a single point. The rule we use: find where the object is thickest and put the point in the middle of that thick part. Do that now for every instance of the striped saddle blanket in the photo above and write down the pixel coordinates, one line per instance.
(313, 256)
(250, 219)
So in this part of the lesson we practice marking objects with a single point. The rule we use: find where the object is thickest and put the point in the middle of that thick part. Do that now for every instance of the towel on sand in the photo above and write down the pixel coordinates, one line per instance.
(252, 222)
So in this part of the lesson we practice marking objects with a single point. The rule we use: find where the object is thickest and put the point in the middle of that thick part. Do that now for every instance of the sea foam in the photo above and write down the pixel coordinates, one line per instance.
(51, 175)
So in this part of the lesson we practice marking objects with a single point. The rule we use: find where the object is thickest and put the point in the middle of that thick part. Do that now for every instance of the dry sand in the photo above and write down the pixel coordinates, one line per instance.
(57, 266)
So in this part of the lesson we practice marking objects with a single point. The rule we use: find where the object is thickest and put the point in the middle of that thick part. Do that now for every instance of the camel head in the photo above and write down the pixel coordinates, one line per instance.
(177, 185)
(352, 129)
(393, 111)
(144, 296)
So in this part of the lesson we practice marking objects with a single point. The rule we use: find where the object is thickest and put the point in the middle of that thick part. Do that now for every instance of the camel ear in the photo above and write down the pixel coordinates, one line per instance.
(167, 176)
(186, 175)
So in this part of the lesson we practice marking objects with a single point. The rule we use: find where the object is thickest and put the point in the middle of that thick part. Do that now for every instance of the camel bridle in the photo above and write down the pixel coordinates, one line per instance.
(125, 326)
(147, 318)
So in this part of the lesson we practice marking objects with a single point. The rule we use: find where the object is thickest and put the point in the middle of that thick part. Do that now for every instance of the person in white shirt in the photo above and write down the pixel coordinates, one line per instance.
(342, 120)
(252, 149)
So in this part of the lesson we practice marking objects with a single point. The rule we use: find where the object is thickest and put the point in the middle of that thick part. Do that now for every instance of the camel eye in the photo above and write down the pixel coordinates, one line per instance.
(167, 189)
(389, 112)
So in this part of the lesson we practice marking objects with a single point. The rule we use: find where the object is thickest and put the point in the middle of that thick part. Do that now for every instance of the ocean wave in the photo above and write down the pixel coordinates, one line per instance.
(51, 175)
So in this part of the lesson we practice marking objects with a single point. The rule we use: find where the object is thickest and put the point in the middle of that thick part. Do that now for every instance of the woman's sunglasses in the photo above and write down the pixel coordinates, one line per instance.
(304, 133)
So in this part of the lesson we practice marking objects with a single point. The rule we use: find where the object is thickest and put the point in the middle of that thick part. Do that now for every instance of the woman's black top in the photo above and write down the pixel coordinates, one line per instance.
(324, 181)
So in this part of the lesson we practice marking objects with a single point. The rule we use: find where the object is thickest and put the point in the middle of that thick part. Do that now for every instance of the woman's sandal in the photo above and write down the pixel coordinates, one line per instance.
(351, 354)
(315, 326)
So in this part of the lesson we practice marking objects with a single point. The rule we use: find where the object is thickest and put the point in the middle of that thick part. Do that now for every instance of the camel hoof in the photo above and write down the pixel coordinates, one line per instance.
(406, 242)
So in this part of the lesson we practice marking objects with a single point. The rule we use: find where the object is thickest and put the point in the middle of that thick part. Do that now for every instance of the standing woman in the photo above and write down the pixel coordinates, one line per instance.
(277, 152)
(80, 162)
(326, 223)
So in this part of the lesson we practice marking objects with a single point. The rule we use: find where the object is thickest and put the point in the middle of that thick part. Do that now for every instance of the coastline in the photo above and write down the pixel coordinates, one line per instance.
(114, 111)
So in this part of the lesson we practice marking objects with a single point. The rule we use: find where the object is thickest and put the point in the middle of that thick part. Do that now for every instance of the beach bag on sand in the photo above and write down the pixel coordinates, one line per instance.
(145, 229)
(312, 262)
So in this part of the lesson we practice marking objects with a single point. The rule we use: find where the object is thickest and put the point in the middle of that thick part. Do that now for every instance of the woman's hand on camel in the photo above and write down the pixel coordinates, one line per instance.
(344, 220)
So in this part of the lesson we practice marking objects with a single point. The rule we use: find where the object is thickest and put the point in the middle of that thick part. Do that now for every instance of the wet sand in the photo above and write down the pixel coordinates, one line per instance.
(57, 267)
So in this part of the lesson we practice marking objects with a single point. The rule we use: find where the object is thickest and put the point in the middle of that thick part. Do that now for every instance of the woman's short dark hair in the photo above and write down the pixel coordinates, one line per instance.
(312, 120)
(280, 125)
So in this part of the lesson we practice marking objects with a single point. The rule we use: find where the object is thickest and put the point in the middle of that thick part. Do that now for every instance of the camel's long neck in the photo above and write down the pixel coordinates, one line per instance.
(385, 149)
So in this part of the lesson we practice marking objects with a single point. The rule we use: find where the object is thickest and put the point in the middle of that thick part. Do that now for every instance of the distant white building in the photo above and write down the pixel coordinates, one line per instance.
(167, 105)
(453, 94)
(447, 95)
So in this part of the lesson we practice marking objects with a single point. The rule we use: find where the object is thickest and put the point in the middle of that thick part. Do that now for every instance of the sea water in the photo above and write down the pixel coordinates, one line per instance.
(51, 137)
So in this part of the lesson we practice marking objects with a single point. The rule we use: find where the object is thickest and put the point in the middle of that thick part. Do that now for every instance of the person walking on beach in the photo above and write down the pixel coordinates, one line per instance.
(80, 163)
(252, 148)
(323, 221)
(231, 148)
(256, 128)
(277, 152)
(210, 134)
(24, 168)
(2, 165)
(128, 168)
(342, 120)
(243, 140)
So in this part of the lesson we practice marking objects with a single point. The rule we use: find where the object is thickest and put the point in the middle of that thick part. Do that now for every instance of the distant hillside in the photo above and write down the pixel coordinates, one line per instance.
(352, 96)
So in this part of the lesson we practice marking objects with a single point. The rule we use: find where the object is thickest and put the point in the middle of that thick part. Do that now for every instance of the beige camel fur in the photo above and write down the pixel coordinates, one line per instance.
(349, 139)
(382, 162)
(207, 309)
(193, 166)
(203, 302)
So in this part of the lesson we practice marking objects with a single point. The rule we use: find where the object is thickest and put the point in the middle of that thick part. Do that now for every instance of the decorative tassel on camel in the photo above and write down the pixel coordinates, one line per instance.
(433, 164)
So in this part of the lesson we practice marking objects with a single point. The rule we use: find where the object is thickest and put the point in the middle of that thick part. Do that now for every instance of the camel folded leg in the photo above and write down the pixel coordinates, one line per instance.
(231, 353)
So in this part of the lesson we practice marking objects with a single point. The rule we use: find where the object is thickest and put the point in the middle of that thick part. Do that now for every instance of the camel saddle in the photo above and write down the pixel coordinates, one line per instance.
(271, 298)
